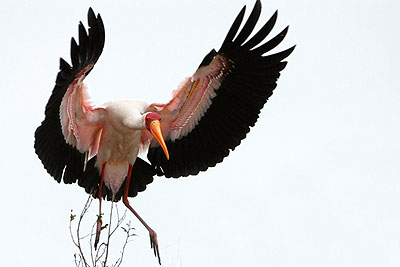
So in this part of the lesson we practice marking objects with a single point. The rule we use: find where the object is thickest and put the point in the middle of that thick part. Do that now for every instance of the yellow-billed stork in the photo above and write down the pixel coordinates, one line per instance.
(208, 116)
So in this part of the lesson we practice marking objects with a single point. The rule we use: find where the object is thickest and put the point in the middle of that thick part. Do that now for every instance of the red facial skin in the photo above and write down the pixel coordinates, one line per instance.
(152, 116)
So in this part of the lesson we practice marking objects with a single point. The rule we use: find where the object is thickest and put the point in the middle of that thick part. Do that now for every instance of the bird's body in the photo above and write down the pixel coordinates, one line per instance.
(120, 140)
(119, 143)
(207, 117)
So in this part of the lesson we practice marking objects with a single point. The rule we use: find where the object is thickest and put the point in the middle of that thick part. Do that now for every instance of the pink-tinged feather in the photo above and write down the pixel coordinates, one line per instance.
(192, 99)
(81, 121)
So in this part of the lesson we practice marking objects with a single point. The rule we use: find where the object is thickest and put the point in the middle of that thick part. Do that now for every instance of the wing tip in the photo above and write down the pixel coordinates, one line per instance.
(257, 6)
(233, 29)
(232, 45)
(91, 44)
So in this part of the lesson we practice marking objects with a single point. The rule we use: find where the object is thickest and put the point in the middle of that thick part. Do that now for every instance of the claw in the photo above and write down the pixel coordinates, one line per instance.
(99, 221)
(154, 245)
(98, 230)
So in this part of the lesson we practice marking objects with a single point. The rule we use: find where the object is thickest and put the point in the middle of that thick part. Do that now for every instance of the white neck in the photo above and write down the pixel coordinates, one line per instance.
(135, 122)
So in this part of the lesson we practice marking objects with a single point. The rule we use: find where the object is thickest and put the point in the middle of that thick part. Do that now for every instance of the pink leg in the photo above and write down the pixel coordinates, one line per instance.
(153, 235)
(99, 221)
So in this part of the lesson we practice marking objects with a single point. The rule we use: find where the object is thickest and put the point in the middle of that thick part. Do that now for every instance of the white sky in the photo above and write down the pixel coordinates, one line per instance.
(315, 183)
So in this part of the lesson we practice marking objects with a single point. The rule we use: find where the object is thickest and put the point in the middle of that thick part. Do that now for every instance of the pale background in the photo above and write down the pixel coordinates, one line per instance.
(315, 183)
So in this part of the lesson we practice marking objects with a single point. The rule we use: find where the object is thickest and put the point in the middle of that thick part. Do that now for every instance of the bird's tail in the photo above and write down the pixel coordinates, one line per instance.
(142, 175)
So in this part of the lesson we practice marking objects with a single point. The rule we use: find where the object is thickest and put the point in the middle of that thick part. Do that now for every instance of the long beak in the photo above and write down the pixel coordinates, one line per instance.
(155, 130)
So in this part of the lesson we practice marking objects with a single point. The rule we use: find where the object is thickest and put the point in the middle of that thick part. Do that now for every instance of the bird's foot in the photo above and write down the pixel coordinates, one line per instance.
(98, 230)
(154, 244)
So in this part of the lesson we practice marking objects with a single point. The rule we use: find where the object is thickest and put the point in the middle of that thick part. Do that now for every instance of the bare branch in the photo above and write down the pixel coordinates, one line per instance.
(101, 256)
(72, 217)
(91, 243)
(128, 235)
(109, 234)
(84, 211)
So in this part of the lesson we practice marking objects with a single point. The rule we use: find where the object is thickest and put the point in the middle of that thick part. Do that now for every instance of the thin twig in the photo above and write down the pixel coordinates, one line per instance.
(103, 250)
(128, 235)
(109, 235)
(120, 221)
(72, 217)
(76, 263)
(100, 252)
(84, 211)
(91, 244)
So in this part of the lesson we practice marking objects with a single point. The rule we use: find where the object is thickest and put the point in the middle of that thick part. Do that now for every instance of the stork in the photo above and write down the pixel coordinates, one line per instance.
(207, 117)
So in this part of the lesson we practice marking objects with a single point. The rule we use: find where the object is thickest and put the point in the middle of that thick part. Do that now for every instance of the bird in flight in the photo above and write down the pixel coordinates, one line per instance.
(207, 117)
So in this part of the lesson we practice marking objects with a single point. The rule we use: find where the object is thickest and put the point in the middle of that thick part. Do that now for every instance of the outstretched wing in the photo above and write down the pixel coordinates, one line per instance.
(72, 125)
(214, 109)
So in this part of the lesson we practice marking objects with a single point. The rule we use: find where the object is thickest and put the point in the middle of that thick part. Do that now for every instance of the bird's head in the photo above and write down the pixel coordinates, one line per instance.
(153, 125)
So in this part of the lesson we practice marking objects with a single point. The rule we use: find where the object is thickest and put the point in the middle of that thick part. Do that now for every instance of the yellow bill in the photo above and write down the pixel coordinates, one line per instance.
(155, 130)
